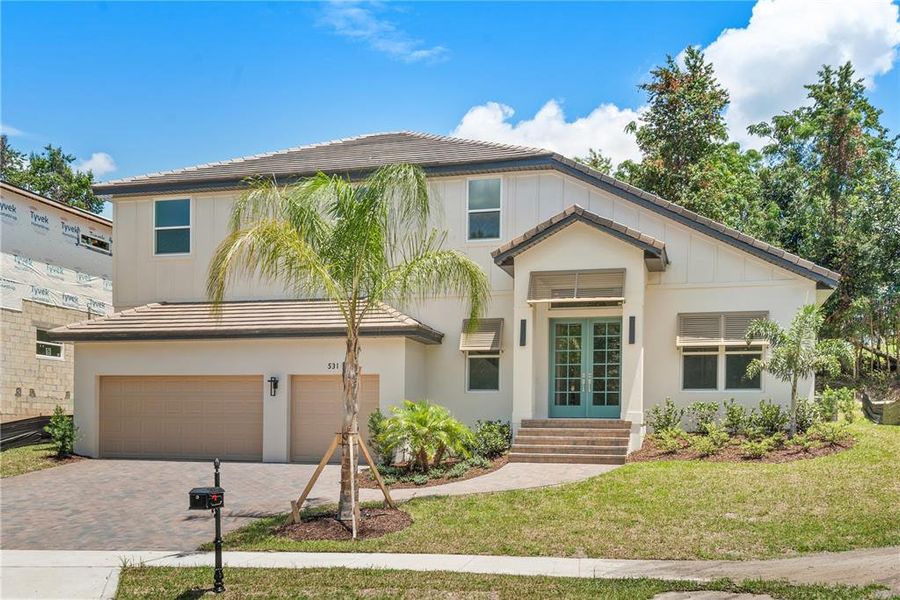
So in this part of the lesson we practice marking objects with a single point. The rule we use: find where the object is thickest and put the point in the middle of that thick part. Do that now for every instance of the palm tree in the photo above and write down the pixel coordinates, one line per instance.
(428, 431)
(796, 352)
(357, 245)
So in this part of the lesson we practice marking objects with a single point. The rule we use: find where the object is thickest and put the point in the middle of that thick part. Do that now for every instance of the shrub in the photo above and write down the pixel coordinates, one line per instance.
(831, 433)
(667, 416)
(757, 448)
(803, 442)
(846, 403)
(702, 445)
(382, 455)
(491, 439)
(668, 440)
(827, 404)
(428, 430)
(807, 415)
(62, 432)
(389, 479)
(479, 462)
(704, 414)
(735, 417)
(769, 419)
(717, 435)
(457, 470)
(420, 479)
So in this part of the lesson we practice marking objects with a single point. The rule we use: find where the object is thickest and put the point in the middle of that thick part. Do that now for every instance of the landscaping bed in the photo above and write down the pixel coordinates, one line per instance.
(400, 477)
(26, 459)
(140, 582)
(734, 452)
(374, 523)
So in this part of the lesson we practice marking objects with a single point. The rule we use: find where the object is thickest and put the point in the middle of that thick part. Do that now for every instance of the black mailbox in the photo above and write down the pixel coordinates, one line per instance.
(207, 498)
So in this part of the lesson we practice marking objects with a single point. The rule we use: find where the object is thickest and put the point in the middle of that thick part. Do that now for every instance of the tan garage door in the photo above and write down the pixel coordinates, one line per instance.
(181, 417)
(316, 413)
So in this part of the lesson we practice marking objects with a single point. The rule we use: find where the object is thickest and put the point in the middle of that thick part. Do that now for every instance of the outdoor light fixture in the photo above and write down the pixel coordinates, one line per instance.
(273, 385)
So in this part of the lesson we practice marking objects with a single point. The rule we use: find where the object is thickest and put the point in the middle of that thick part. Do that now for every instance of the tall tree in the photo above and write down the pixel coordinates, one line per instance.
(683, 138)
(357, 245)
(596, 160)
(50, 173)
(831, 171)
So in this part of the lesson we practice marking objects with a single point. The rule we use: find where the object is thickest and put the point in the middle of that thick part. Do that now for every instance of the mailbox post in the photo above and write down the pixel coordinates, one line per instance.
(212, 498)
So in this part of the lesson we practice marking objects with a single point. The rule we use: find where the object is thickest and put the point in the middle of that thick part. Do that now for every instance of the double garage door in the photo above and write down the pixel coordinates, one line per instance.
(201, 417)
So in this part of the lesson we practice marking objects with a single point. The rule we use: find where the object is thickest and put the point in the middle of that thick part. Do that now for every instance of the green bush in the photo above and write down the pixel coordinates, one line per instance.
(458, 470)
(479, 462)
(769, 419)
(717, 435)
(428, 431)
(420, 479)
(702, 445)
(668, 440)
(807, 415)
(704, 414)
(757, 448)
(831, 433)
(847, 403)
(491, 439)
(389, 479)
(666, 416)
(735, 417)
(804, 442)
(827, 404)
(62, 432)
(382, 455)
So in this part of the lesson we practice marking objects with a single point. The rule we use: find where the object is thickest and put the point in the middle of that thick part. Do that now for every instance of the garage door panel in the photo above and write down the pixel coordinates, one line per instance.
(190, 417)
(317, 413)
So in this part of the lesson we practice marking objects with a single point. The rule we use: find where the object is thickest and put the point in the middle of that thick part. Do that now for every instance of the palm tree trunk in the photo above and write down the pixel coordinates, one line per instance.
(348, 501)
(793, 406)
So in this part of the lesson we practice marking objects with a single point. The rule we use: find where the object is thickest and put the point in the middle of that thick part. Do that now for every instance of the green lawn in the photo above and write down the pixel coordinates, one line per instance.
(26, 459)
(164, 582)
(665, 510)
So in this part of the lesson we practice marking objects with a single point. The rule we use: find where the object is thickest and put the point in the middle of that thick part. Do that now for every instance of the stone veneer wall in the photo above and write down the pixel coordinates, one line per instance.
(32, 386)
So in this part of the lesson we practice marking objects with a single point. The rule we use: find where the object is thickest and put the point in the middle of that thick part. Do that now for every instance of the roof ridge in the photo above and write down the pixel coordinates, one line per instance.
(488, 143)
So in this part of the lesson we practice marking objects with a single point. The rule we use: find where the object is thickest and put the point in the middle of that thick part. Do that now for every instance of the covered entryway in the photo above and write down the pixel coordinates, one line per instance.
(316, 413)
(181, 417)
(586, 371)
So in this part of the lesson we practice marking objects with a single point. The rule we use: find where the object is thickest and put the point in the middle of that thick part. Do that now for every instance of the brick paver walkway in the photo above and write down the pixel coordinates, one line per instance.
(139, 504)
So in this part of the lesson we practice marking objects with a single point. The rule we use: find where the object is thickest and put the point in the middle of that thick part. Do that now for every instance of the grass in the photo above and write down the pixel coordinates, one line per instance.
(663, 510)
(25, 459)
(167, 582)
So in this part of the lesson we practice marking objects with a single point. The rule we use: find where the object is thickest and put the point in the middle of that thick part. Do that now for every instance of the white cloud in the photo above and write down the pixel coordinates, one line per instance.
(765, 65)
(362, 22)
(7, 129)
(100, 163)
(603, 128)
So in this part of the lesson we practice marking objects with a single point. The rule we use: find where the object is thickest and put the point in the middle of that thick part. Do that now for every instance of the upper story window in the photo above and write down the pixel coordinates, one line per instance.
(484, 209)
(172, 226)
(95, 243)
(46, 348)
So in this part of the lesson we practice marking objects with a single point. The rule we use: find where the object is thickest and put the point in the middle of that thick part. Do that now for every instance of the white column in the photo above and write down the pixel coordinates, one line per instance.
(523, 356)
(276, 419)
(633, 355)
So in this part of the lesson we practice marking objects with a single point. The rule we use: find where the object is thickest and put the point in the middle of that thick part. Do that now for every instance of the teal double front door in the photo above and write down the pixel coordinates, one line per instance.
(586, 368)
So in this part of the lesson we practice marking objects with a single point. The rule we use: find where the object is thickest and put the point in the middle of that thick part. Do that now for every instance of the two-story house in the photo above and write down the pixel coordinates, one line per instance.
(606, 300)
(57, 269)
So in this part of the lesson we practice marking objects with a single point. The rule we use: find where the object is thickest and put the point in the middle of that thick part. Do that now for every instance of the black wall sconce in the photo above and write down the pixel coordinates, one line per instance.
(631, 328)
(522, 330)
(273, 385)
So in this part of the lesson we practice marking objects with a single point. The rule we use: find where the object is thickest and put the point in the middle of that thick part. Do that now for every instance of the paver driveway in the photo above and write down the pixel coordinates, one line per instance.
(132, 504)
(142, 504)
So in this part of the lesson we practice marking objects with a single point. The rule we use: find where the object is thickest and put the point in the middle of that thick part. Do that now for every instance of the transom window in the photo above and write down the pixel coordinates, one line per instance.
(484, 209)
(95, 243)
(47, 348)
(483, 371)
(719, 367)
(172, 226)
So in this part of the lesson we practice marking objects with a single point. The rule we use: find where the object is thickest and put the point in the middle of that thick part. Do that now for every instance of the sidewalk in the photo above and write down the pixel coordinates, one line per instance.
(94, 574)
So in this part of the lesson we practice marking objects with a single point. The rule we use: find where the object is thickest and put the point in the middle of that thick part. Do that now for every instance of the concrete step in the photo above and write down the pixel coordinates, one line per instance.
(576, 423)
(568, 449)
(573, 432)
(572, 459)
(568, 440)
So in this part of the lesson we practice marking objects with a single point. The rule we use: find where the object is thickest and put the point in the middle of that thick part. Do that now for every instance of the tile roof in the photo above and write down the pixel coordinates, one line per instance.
(441, 156)
(250, 319)
(654, 250)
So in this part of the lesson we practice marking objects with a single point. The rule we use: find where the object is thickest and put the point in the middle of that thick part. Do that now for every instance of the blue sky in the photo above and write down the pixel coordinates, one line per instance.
(145, 87)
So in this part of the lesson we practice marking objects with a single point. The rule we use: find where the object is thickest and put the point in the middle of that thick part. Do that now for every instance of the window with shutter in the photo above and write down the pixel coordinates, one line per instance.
(577, 286)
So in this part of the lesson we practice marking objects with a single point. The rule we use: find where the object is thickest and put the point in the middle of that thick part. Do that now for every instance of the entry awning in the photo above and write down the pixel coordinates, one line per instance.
(486, 337)
(716, 328)
(596, 285)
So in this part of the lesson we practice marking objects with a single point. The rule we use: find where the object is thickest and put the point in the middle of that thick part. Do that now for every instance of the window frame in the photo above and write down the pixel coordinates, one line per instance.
(483, 354)
(37, 342)
(189, 227)
(498, 210)
(721, 353)
(86, 238)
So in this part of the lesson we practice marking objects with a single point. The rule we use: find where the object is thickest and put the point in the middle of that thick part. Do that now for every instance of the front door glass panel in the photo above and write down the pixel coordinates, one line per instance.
(586, 365)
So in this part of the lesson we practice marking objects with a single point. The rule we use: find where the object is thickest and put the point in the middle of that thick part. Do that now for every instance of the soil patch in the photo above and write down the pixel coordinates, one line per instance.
(374, 523)
(367, 481)
(733, 453)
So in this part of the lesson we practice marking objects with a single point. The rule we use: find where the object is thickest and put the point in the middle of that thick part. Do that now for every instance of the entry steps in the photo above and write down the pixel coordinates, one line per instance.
(571, 441)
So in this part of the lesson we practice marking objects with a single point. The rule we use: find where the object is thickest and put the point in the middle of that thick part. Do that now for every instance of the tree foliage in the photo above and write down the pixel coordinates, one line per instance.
(597, 161)
(427, 431)
(50, 174)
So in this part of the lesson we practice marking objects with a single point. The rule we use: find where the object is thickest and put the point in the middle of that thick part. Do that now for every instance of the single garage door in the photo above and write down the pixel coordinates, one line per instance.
(181, 417)
(317, 413)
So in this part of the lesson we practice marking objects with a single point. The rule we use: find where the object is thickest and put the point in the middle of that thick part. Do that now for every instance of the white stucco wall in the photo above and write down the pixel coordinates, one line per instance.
(386, 357)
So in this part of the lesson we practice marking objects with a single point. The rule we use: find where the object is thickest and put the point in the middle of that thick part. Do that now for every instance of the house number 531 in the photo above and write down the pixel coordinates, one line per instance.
(334, 366)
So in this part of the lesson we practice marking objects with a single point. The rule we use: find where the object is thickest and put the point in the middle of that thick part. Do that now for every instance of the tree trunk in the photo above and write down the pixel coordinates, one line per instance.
(439, 455)
(348, 501)
(793, 430)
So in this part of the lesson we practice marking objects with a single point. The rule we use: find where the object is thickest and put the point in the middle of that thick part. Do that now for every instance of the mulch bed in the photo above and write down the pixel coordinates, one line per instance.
(733, 453)
(367, 481)
(374, 523)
